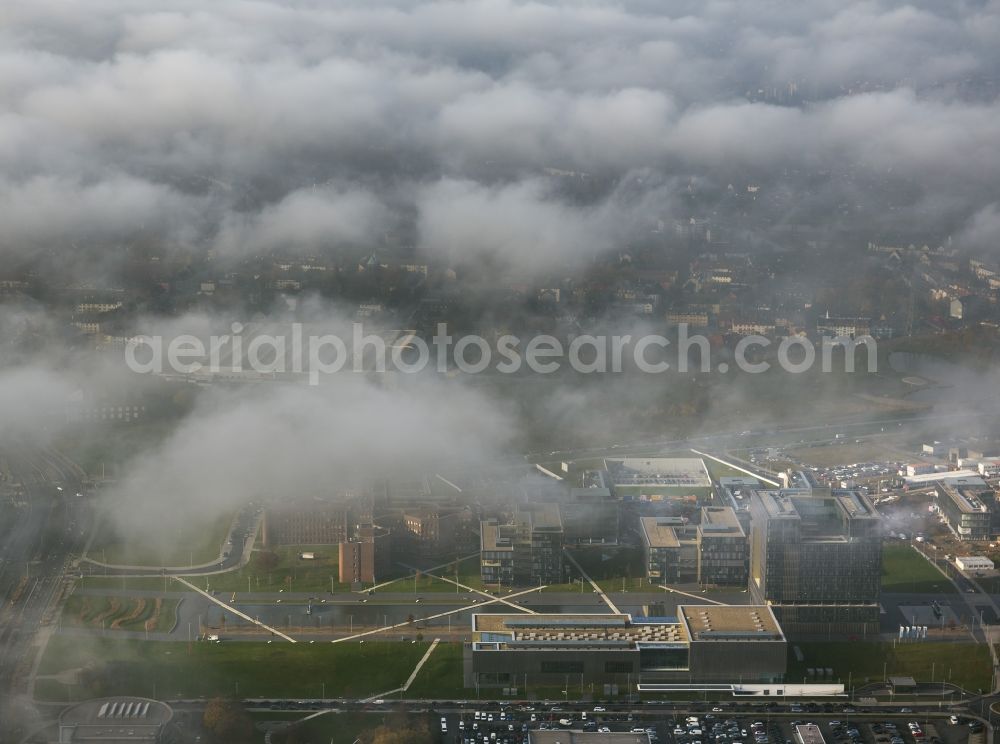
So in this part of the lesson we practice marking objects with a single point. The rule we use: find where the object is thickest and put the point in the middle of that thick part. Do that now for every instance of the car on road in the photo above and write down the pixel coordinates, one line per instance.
(599, 709)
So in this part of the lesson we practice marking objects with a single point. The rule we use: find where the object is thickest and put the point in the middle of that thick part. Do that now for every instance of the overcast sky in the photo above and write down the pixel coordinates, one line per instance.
(526, 136)
(302, 126)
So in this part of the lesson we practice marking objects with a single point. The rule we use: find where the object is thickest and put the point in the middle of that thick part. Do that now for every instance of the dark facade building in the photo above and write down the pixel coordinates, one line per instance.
(528, 550)
(723, 550)
(712, 553)
(816, 558)
(434, 529)
(704, 643)
(670, 550)
(589, 516)
(306, 522)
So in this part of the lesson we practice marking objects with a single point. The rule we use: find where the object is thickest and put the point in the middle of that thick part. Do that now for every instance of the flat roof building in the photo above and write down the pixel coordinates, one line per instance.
(712, 553)
(703, 643)
(723, 549)
(115, 720)
(973, 563)
(366, 557)
(968, 509)
(633, 475)
(816, 557)
(527, 550)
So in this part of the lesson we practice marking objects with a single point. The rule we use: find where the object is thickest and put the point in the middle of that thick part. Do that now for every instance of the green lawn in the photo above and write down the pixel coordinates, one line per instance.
(468, 575)
(441, 677)
(965, 664)
(200, 669)
(202, 544)
(905, 570)
(292, 573)
(718, 470)
(345, 728)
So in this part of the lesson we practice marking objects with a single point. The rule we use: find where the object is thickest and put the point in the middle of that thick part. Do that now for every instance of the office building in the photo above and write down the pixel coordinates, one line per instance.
(589, 516)
(305, 522)
(816, 557)
(968, 508)
(712, 553)
(670, 550)
(723, 549)
(704, 643)
(366, 557)
(525, 551)
(433, 529)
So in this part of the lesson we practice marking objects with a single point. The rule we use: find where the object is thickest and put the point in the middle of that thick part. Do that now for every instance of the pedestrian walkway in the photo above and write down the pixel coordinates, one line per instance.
(475, 591)
(600, 592)
(238, 613)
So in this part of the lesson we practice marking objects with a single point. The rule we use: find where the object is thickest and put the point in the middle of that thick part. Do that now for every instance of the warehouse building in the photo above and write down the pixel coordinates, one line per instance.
(704, 643)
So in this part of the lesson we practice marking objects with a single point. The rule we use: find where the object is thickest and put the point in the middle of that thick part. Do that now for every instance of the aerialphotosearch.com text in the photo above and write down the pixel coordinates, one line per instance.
(315, 355)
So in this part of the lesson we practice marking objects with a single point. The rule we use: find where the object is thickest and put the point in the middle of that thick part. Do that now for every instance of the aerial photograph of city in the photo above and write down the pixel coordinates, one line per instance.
(499, 372)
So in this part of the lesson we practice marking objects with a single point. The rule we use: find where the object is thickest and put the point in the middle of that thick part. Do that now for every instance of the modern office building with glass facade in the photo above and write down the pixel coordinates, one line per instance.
(525, 551)
(816, 558)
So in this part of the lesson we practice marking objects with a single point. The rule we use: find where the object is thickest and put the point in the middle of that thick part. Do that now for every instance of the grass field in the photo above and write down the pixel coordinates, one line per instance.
(291, 573)
(201, 545)
(119, 667)
(965, 664)
(468, 574)
(441, 676)
(121, 613)
(905, 570)
(718, 470)
(345, 728)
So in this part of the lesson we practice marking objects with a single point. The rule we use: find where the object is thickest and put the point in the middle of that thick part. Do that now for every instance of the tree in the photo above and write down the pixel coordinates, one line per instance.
(227, 722)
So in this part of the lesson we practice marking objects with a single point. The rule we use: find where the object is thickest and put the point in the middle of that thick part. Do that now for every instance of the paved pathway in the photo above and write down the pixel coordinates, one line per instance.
(600, 592)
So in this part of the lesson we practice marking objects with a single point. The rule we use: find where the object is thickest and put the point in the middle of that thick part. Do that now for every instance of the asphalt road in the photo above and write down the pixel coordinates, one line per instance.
(47, 527)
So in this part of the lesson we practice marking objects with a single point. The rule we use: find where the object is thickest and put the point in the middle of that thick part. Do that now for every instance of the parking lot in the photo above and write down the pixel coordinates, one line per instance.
(720, 725)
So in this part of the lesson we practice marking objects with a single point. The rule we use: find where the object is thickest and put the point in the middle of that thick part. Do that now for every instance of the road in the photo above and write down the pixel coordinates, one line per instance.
(46, 527)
